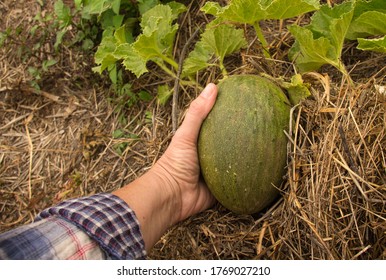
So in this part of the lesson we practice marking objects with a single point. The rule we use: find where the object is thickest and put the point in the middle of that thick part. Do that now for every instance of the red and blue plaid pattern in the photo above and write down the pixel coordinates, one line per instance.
(95, 227)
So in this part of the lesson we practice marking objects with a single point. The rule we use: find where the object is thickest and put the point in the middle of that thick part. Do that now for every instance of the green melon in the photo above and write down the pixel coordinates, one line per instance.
(242, 147)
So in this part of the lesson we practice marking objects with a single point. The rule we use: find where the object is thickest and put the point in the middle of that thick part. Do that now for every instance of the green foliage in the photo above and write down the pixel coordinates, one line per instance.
(136, 32)
(377, 45)
(63, 14)
(253, 11)
(64, 21)
(154, 43)
(157, 38)
(368, 21)
(3, 36)
(297, 90)
(321, 42)
(368, 24)
(127, 35)
(125, 97)
(164, 93)
(218, 41)
(125, 138)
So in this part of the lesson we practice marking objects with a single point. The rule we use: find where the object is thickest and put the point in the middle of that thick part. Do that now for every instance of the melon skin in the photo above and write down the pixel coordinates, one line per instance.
(242, 147)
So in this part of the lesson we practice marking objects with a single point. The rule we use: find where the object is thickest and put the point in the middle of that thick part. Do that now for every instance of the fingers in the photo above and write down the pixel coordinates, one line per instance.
(197, 112)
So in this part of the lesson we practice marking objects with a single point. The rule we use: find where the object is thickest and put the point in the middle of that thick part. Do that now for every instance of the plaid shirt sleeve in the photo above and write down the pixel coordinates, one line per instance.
(101, 226)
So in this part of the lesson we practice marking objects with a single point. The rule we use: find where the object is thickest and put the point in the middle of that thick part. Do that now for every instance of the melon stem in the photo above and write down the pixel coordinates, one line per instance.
(223, 69)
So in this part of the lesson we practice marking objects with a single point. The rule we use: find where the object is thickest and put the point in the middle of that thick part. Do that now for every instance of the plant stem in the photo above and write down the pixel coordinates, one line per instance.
(342, 68)
(262, 39)
(223, 69)
(178, 80)
(163, 67)
(173, 75)
(169, 61)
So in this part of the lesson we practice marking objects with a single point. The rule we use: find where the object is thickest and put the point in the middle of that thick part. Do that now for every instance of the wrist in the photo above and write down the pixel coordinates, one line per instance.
(168, 191)
(153, 199)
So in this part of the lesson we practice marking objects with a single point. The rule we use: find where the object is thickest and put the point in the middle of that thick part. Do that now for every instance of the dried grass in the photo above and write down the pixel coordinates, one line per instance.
(333, 203)
(57, 143)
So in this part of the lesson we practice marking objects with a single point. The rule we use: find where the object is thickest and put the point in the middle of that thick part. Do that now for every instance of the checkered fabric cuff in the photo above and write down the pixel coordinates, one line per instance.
(108, 220)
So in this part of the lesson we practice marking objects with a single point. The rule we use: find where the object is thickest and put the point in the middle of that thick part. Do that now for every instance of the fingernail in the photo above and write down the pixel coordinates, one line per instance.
(208, 90)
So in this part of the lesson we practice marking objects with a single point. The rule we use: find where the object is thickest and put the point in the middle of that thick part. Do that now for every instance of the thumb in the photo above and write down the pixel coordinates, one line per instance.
(197, 112)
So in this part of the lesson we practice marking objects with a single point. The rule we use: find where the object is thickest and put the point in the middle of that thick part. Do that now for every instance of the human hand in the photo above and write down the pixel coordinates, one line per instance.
(180, 162)
(172, 189)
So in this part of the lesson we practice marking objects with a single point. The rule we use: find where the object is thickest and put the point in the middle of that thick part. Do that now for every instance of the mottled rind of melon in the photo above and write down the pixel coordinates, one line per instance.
(242, 147)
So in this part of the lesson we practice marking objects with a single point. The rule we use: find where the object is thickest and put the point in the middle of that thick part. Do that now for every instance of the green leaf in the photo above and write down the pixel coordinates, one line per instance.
(117, 20)
(177, 8)
(63, 13)
(115, 47)
(212, 8)
(118, 133)
(78, 4)
(108, 61)
(223, 40)
(97, 7)
(145, 96)
(115, 6)
(132, 60)
(377, 45)
(59, 38)
(308, 53)
(157, 18)
(122, 36)
(87, 44)
(281, 9)
(105, 49)
(244, 11)
(113, 73)
(362, 6)
(297, 89)
(164, 93)
(252, 11)
(155, 46)
(367, 24)
(158, 33)
(321, 42)
(109, 19)
(197, 59)
(333, 23)
(145, 5)
(48, 63)
(219, 41)
(154, 43)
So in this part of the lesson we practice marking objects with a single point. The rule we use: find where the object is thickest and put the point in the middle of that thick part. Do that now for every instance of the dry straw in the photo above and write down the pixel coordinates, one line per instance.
(333, 201)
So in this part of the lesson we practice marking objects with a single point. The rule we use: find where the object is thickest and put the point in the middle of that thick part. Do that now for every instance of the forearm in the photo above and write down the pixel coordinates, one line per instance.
(152, 199)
